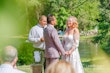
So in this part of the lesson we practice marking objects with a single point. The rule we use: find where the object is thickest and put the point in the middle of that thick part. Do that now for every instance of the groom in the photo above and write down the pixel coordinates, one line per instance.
(53, 45)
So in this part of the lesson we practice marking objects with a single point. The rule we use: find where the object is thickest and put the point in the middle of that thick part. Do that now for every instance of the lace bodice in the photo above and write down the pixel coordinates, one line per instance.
(70, 41)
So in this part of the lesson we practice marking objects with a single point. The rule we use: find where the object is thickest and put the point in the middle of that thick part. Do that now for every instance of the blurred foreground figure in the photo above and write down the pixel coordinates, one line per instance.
(60, 66)
(9, 59)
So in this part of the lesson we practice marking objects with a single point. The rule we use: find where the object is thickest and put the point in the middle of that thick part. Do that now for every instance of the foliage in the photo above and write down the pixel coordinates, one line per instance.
(18, 16)
(28, 11)
(34, 8)
(104, 26)
(25, 54)
(85, 10)
(60, 9)
(87, 14)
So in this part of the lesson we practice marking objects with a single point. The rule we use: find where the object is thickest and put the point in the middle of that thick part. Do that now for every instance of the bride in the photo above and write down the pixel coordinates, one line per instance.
(70, 43)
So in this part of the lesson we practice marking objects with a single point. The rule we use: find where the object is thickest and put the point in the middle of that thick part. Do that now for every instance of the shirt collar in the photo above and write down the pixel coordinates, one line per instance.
(41, 26)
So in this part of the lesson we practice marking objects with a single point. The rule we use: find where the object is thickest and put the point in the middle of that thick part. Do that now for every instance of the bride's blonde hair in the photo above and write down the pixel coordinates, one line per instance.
(75, 22)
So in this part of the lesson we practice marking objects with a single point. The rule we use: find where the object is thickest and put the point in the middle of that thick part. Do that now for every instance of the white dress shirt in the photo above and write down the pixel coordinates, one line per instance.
(36, 33)
(7, 68)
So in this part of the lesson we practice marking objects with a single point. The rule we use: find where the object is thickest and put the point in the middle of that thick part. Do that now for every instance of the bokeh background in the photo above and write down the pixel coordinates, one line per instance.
(18, 16)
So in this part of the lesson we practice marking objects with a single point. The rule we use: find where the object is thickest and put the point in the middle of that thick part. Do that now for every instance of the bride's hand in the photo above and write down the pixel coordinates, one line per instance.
(67, 53)
(70, 52)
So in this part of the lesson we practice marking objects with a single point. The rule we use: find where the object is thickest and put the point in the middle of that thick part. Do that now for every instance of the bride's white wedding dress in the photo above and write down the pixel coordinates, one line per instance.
(74, 58)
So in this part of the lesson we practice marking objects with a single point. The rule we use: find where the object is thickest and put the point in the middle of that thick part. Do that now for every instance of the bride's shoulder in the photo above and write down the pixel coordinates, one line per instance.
(76, 30)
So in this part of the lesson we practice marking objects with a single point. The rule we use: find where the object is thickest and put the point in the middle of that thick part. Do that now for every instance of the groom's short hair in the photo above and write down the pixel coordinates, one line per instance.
(50, 18)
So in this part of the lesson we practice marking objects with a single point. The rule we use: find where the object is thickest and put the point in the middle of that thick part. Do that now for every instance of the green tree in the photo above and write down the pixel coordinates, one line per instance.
(103, 36)
(87, 13)
(85, 10)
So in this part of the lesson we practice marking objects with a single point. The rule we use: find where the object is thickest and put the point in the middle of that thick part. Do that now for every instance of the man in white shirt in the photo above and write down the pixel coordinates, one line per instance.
(9, 59)
(37, 38)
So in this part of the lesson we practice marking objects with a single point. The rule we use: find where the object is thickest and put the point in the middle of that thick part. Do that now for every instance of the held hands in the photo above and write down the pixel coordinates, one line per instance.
(68, 53)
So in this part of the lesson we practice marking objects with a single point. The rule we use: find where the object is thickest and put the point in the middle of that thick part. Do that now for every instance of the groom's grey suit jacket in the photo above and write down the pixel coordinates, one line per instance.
(52, 42)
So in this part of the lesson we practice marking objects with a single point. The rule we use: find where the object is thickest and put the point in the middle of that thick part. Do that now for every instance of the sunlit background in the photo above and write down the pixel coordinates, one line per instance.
(18, 16)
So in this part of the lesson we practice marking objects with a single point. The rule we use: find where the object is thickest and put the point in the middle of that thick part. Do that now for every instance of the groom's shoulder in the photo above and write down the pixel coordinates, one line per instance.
(49, 27)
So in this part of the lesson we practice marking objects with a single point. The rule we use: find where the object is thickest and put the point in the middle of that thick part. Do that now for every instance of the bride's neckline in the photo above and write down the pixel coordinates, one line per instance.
(68, 34)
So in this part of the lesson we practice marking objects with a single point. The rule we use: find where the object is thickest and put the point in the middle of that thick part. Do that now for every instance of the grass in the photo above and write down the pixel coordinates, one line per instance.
(86, 37)
(26, 68)
(90, 65)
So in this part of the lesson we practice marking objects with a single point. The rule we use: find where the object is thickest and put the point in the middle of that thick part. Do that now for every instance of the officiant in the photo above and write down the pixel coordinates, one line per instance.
(37, 38)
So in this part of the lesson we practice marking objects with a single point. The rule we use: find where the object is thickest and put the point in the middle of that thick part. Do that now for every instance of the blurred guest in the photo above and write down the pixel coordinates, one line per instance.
(9, 59)
(60, 66)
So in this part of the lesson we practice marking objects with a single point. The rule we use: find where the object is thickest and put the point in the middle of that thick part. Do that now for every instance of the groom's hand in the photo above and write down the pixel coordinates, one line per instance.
(59, 53)
(70, 52)
(66, 53)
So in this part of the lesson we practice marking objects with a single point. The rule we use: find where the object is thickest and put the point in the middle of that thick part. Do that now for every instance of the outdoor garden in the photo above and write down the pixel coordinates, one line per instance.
(17, 17)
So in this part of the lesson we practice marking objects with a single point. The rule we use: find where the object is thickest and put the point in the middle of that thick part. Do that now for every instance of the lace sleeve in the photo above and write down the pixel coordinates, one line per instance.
(76, 39)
